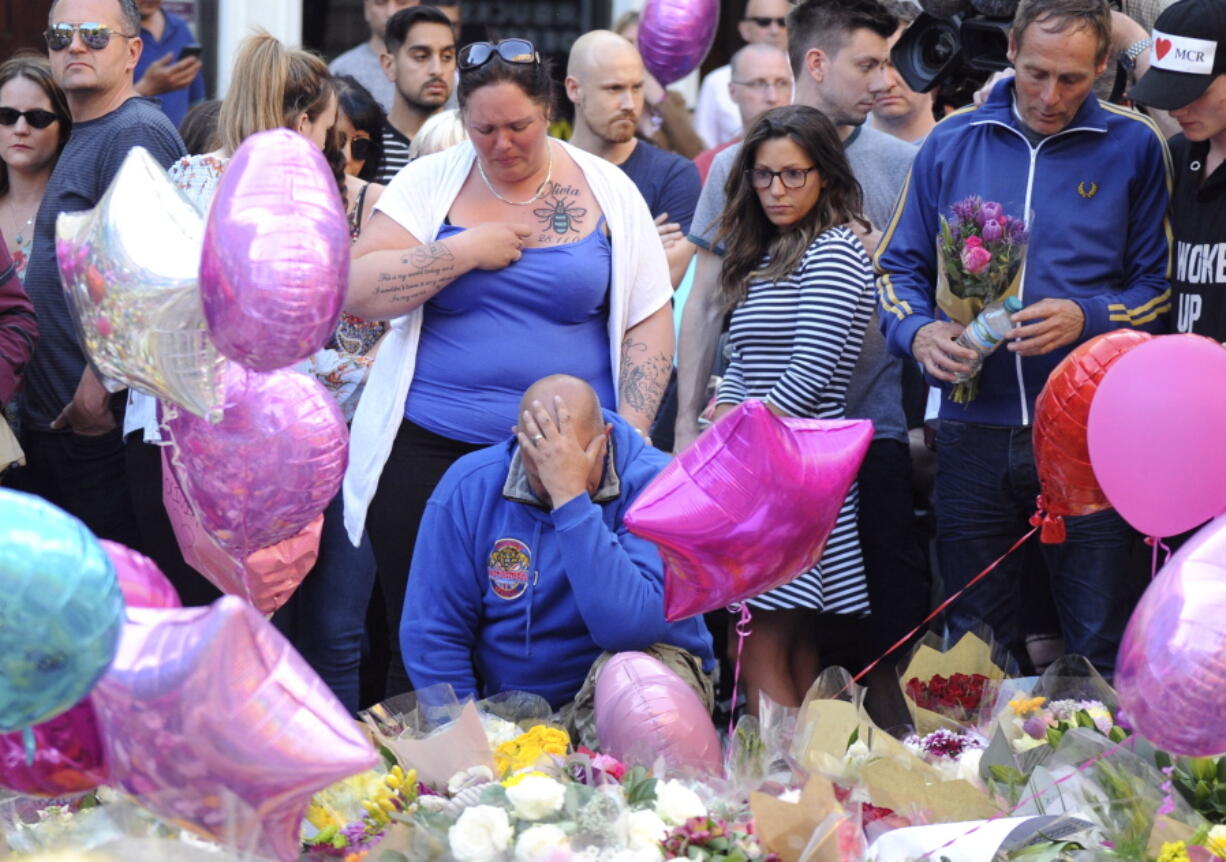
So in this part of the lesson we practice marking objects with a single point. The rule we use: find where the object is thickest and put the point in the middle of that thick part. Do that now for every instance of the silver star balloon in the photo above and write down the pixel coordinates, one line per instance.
(129, 267)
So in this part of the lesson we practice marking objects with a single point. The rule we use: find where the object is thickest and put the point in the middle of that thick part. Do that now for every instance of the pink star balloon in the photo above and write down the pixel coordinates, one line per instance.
(749, 506)
(207, 704)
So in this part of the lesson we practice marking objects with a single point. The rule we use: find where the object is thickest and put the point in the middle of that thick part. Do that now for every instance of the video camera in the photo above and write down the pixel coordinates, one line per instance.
(954, 39)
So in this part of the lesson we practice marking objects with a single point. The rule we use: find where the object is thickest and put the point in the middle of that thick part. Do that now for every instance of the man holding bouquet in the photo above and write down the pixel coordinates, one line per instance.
(1089, 183)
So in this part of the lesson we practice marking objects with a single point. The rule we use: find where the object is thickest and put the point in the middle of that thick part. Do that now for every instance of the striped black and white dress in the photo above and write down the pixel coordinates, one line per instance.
(795, 342)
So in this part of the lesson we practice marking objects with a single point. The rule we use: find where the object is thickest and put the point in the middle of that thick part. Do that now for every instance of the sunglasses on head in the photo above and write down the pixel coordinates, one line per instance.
(510, 50)
(95, 36)
(766, 22)
(37, 118)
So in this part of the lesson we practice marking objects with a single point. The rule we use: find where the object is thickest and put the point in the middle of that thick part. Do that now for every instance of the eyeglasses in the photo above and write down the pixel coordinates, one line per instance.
(95, 36)
(792, 178)
(477, 54)
(766, 22)
(37, 118)
(761, 84)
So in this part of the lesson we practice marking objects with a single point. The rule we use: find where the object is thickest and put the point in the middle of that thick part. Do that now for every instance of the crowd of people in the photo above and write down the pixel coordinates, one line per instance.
(534, 325)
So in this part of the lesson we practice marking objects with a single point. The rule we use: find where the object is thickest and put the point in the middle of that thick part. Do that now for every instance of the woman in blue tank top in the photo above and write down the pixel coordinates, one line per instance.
(515, 273)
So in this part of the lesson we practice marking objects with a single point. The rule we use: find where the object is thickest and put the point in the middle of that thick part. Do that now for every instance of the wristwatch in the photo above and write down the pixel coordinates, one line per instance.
(1128, 57)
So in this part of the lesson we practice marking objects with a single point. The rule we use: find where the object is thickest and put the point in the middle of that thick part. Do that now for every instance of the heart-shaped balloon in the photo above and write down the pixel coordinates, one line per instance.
(674, 36)
(129, 268)
(1172, 664)
(205, 703)
(1061, 414)
(1155, 432)
(140, 580)
(749, 506)
(270, 466)
(275, 267)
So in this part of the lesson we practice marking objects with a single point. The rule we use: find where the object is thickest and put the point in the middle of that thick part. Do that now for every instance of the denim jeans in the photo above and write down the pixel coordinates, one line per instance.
(986, 487)
(325, 617)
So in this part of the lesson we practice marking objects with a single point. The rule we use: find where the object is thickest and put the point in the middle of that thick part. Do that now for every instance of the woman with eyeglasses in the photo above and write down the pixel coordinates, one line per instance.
(799, 286)
(502, 259)
(34, 126)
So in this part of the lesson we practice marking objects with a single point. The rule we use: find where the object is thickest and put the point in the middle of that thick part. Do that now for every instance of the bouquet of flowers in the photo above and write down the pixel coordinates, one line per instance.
(980, 252)
(952, 689)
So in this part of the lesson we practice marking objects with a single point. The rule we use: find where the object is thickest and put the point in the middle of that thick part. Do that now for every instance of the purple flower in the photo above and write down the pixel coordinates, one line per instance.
(1036, 726)
(975, 259)
(992, 230)
(965, 210)
(990, 211)
(1017, 231)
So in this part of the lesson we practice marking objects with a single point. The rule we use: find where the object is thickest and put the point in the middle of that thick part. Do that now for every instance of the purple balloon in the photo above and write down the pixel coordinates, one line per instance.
(1172, 664)
(140, 580)
(202, 705)
(69, 757)
(645, 711)
(275, 266)
(270, 466)
(749, 506)
(674, 36)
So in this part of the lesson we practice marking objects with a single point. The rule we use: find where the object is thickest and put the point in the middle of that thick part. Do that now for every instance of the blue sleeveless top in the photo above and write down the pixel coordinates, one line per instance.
(489, 335)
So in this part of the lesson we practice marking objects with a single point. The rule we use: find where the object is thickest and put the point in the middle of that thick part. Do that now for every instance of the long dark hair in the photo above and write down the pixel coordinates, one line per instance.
(748, 236)
(34, 67)
(366, 114)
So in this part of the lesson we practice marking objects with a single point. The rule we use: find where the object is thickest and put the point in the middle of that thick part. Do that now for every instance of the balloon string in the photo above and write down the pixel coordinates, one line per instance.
(1156, 542)
(742, 631)
(31, 745)
(937, 612)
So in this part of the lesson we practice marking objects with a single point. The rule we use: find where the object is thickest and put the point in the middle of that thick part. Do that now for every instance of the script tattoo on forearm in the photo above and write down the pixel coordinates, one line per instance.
(644, 377)
(429, 268)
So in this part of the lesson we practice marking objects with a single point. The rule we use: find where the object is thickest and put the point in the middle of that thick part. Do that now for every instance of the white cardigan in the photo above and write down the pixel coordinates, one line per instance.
(418, 199)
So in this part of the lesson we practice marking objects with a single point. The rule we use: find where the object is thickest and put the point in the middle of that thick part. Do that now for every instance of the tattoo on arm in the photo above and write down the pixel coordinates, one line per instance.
(560, 216)
(429, 268)
(644, 377)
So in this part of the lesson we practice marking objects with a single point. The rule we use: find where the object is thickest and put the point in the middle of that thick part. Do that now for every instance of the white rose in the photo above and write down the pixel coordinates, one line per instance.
(645, 830)
(470, 777)
(539, 841)
(536, 796)
(676, 803)
(968, 766)
(480, 834)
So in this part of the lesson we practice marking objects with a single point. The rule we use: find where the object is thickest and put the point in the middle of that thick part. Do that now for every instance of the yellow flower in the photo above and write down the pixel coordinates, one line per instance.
(1174, 851)
(1024, 706)
(520, 776)
(527, 748)
(321, 818)
(1216, 842)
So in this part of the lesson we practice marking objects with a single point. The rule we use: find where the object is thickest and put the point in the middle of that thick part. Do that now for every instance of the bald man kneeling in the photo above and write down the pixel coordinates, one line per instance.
(525, 578)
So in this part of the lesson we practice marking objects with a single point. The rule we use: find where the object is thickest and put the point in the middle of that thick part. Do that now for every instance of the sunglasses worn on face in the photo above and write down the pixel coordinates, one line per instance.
(766, 22)
(510, 50)
(37, 118)
(359, 149)
(95, 36)
(792, 178)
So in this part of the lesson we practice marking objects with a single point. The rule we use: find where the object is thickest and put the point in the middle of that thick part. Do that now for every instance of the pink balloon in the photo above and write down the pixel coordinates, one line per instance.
(1155, 432)
(271, 465)
(69, 757)
(140, 580)
(275, 266)
(1172, 664)
(645, 711)
(674, 36)
(202, 704)
(749, 506)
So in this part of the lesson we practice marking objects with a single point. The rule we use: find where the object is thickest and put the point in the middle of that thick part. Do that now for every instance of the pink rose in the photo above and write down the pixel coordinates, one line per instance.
(975, 259)
(609, 765)
(973, 242)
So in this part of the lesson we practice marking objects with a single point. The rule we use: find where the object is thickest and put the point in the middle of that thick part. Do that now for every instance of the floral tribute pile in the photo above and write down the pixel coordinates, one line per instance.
(993, 768)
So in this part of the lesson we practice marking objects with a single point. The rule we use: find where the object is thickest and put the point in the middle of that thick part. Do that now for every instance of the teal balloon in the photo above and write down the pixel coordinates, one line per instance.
(60, 610)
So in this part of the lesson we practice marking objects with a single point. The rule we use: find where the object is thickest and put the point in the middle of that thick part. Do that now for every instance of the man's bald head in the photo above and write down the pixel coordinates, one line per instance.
(580, 399)
(599, 49)
(761, 80)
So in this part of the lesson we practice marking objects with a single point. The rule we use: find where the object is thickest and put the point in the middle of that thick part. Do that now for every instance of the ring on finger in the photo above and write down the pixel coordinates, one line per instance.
(536, 437)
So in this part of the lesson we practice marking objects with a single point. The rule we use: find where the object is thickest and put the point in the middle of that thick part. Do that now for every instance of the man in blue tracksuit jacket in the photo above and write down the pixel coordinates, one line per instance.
(1095, 180)
(524, 574)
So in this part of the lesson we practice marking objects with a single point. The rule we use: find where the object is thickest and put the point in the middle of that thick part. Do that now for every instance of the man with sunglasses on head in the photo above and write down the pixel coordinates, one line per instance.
(420, 63)
(717, 119)
(71, 426)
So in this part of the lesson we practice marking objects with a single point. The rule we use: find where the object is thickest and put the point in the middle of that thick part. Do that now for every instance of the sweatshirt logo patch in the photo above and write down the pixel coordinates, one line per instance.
(509, 567)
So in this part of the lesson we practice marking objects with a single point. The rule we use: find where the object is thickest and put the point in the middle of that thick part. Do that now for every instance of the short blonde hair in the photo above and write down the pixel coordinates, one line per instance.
(443, 130)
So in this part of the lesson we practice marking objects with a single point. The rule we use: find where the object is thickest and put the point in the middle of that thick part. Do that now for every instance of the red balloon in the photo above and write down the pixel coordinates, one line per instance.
(1061, 417)
(749, 506)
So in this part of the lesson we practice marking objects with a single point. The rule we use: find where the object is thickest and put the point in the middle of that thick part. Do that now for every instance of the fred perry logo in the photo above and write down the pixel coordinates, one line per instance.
(509, 566)
(1087, 189)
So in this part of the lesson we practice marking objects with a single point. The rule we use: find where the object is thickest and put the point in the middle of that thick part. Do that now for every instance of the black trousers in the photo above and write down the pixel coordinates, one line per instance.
(416, 464)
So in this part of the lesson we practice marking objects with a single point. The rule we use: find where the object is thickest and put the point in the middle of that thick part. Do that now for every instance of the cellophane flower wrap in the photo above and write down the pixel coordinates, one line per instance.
(980, 253)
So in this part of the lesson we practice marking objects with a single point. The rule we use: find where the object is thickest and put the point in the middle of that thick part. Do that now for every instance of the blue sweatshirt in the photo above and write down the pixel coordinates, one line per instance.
(505, 594)
(1098, 192)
